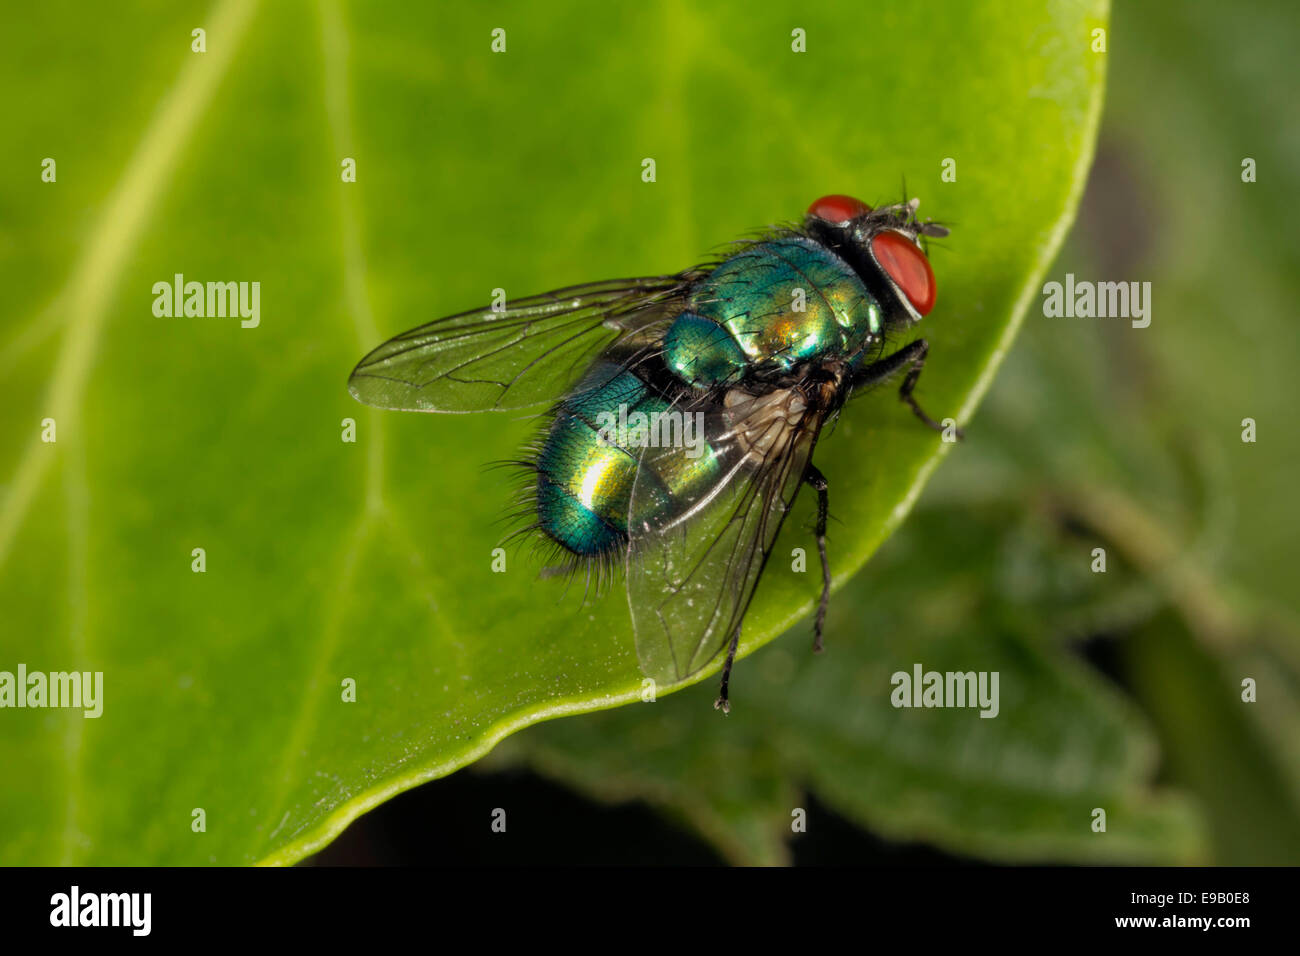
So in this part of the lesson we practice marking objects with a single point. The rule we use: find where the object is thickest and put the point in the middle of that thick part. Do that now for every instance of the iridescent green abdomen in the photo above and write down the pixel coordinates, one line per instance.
(777, 303)
(590, 458)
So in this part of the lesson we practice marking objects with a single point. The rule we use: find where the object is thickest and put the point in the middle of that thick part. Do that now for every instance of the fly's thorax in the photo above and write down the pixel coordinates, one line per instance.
(775, 304)
(703, 353)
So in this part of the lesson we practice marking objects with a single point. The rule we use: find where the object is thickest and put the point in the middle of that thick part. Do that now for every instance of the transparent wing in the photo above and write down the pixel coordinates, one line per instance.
(524, 355)
(694, 567)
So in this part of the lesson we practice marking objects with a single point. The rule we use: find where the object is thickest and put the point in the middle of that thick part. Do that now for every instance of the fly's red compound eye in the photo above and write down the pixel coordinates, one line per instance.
(838, 208)
(908, 267)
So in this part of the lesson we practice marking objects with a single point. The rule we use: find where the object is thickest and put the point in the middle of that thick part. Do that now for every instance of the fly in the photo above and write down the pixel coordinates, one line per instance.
(685, 409)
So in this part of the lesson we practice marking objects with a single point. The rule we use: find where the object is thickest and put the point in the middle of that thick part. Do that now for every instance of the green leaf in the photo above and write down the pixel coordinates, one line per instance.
(371, 561)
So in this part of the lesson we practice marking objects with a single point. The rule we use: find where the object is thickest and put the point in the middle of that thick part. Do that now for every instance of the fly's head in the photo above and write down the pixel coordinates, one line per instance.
(885, 245)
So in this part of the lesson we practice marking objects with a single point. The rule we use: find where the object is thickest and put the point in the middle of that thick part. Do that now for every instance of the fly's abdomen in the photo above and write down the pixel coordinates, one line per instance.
(589, 462)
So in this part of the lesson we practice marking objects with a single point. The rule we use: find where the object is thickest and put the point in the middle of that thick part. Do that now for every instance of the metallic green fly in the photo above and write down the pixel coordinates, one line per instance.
(687, 407)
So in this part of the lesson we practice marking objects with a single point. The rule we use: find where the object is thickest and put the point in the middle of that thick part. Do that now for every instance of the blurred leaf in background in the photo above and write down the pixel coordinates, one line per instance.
(1097, 435)
(327, 561)
(1020, 785)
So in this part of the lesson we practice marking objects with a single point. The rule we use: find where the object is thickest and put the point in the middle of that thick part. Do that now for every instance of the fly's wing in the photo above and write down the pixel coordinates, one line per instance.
(524, 355)
(695, 560)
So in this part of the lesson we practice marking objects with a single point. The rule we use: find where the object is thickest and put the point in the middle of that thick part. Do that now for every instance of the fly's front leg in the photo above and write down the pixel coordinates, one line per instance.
(817, 481)
(911, 357)
(922, 349)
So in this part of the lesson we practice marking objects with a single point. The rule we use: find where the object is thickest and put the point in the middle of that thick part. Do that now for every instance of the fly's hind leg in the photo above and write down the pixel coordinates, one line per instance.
(722, 703)
(911, 357)
(818, 482)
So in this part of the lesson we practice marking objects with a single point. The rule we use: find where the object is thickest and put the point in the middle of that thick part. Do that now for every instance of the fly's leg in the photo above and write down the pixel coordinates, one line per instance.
(911, 357)
(818, 482)
(922, 349)
(722, 703)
